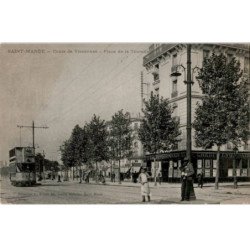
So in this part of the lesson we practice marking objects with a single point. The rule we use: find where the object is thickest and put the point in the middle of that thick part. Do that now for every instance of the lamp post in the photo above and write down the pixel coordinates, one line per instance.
(188, 81)
(189, 85)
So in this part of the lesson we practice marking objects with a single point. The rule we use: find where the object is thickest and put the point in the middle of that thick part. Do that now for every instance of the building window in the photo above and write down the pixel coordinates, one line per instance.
(174, 86)
(174, 106)
(156, 72)
(246, 146)
(246, 64)
(174, 89)
(205, 54)
(174, 60)
(157, 91)
(175, 146)
(156, 77)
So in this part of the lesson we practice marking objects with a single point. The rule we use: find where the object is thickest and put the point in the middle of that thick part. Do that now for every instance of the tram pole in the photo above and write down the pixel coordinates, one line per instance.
(33, 137)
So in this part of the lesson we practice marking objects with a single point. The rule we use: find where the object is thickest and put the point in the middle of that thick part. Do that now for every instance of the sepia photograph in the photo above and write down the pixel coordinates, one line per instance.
(125, 123)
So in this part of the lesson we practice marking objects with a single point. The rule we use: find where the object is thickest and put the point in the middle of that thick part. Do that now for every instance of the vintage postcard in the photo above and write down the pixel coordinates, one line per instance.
(125, 123)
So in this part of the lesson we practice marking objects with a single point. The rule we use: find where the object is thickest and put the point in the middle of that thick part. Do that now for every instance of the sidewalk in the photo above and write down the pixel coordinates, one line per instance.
(227, 185)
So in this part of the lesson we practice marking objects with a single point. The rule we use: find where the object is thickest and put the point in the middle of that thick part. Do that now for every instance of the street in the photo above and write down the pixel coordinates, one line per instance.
(72, 192)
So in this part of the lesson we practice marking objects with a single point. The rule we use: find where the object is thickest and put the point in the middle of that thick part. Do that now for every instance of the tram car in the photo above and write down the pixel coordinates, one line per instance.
(22, 166)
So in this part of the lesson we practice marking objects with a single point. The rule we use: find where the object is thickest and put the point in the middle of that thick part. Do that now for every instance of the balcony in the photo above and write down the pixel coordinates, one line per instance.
(174, 94)
(244, 46)
(152, 55)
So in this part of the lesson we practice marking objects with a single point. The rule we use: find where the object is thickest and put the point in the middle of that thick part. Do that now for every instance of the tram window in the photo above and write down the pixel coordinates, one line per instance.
(12, 152)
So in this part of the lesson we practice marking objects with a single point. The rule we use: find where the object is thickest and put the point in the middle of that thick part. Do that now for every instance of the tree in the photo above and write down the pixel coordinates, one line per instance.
(74, 151)
(159, 131)
(222, 116)
(78, 141)
(97, 141)
(120, 138)
(48, 164)
(66, 154)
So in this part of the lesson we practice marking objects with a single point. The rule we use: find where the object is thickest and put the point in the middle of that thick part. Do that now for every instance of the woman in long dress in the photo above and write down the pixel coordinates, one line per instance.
(145, 190)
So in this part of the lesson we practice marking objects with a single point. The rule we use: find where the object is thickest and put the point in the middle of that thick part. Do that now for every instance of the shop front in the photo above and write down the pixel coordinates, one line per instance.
(205, 162)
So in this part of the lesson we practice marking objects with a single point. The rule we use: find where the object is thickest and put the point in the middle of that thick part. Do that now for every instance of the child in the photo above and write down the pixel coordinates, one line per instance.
(145, 190)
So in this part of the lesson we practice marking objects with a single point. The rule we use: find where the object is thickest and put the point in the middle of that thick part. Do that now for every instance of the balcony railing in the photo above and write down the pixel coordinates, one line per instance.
(244, 46)
(165, 47)
(157, 52)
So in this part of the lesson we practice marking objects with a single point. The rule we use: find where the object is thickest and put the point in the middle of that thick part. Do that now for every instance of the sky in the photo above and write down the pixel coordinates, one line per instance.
(61, 85)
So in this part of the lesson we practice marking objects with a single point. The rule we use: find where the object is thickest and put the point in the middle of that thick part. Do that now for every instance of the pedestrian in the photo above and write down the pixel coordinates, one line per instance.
(187, 172)
(133, 177)
(200, 179)
(87, 177)
(145, 190)
(80, 175)
(159, 177)
(112, 177)
(59, 178)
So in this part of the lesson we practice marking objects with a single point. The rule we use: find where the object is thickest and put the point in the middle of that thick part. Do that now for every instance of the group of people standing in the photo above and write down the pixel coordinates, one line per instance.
(187, 177)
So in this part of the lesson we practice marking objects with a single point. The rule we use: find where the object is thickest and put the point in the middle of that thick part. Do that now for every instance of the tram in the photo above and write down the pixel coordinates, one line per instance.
(22, 166)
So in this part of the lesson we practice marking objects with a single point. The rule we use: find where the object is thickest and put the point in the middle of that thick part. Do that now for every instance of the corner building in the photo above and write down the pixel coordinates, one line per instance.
(159, 64)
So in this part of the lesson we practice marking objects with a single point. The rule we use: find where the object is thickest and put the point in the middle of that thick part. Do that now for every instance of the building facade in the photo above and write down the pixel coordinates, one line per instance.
(161, 61)
(133, 163)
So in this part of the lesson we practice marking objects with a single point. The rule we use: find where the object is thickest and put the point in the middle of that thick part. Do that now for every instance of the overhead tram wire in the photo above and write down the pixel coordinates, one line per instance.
(104, 76)
(83, 70)
(103, 94)
(89, 96)
(111, 90)
(91, 87)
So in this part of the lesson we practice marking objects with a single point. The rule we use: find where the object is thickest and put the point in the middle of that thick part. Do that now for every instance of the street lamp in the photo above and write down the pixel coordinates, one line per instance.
(188, 81)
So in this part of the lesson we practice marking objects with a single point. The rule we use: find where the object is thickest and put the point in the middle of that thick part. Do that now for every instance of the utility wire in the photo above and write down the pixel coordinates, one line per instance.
(78, 75)
(89, 94)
